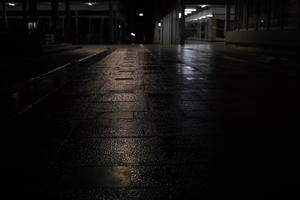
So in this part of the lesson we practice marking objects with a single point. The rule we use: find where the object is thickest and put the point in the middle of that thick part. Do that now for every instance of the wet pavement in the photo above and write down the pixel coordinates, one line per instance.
(16, 70)
(153, 122)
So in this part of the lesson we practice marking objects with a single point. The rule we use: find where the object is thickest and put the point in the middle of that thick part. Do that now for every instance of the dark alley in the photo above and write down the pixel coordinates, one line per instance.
(203, 108)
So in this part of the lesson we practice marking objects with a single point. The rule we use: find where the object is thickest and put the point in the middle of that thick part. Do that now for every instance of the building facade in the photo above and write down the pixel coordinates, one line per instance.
(96, 22)
(167, 30)
(267, 23)
(192, 21)
(207, 24)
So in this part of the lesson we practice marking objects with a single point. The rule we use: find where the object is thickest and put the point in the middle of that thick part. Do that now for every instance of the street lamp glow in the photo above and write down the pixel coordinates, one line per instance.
(179, 15)
(12, 4)
(159, 24)
(90, 3)
(141, 14)
(190, 10)
(133, 34)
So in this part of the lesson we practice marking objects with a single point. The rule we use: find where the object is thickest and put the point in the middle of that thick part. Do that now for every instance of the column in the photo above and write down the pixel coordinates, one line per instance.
(25, 16)
(76, 26)
(227, 22)
(63, 26)
(111, 22)
(90, 30)
(247, 14)
(4, 14)
(256, 15)
(54, 16)
(182, 22)
(102, 30)
(236, 15)
(67, 26)
(298, 15)
(199, 28)
(268, 14)
(171, 27)
(32, 11)
(120, 30)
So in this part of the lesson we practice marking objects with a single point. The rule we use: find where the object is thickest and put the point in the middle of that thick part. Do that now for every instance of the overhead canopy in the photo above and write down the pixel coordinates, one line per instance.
(204, 1)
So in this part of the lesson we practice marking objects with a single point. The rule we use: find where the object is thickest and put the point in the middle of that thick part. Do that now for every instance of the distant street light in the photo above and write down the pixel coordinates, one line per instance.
(141, 14)
(12, 4)
(90, 3)
(179, 15)
(133, 34)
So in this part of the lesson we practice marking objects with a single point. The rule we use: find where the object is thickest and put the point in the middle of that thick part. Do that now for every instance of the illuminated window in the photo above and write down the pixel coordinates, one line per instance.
(31, 25)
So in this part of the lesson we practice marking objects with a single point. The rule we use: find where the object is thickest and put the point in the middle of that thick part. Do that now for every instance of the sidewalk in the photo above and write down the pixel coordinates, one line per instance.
(56, 48)
(153, 122)
(23, 95)
(274, 57)
(16, 70)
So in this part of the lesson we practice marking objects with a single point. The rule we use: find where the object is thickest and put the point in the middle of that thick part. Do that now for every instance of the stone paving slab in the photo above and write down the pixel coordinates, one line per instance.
(158, 123)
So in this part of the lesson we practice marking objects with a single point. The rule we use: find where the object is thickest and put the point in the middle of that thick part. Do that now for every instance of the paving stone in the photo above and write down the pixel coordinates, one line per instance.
(122, 97)
(124, 151)
(159, 122)
(119, 107)
(117, 115)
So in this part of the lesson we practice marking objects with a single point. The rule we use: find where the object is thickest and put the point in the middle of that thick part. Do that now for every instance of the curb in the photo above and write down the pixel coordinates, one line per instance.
(26, 95)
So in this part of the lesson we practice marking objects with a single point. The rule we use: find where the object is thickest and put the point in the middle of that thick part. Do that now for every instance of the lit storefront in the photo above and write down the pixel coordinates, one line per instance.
(207, 24)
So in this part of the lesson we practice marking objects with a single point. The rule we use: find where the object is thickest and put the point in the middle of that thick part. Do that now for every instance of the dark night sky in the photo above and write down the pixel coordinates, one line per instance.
(153, 10)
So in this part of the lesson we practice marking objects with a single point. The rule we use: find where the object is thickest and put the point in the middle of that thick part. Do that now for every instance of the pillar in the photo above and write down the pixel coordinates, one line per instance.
(54, 16)
(111, 22)
(4, 14)
(236, 13)
(25, 14)
(298, 15)
(76, 26)
(120, 30)
(182, 22)
(32, 11)
(171, 28)
(227, 19)
(269, 15)
(90, 30)
(102, 30)
(199, 29)
(67, 26)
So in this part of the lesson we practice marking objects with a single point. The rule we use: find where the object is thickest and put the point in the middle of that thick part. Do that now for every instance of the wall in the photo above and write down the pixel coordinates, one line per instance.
(89, 24)
(202, 25)
(263, 23)
(168, 33)
(279, 38)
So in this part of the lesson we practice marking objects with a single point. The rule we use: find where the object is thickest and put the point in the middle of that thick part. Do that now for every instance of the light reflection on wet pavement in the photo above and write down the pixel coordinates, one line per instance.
(158, 123)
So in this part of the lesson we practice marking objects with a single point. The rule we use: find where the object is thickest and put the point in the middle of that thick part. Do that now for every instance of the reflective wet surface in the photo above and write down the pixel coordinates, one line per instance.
(152, 122)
